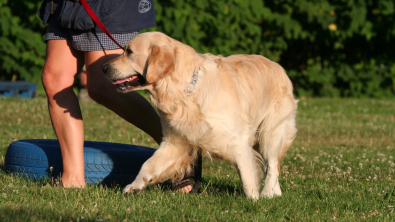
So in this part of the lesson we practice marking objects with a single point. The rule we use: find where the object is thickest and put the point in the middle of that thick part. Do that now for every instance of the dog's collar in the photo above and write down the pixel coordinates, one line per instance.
(195, 78)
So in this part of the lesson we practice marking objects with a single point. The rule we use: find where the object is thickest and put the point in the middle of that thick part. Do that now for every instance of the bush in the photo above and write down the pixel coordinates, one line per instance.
(329, 48)
(22, 50)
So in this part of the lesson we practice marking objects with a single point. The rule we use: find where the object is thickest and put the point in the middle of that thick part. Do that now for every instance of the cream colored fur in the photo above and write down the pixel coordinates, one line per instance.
(241, 110)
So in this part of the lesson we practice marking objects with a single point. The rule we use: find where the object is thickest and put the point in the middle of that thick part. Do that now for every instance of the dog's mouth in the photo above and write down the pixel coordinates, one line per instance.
(130, 83)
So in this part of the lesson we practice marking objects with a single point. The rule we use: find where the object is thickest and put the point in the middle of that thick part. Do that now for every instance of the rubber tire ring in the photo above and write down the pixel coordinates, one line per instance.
(105, 163)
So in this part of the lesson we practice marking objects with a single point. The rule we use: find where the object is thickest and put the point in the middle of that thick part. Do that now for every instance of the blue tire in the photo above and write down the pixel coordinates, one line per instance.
(105, 163)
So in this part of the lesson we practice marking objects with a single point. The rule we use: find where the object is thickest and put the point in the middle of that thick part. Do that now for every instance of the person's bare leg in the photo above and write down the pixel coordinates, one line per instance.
(83, 89)
(61, 66)
(83, 78)
(130, 106)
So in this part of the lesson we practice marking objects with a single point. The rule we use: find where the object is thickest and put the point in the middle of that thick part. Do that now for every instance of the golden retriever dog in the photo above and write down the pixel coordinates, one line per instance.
(238, 108)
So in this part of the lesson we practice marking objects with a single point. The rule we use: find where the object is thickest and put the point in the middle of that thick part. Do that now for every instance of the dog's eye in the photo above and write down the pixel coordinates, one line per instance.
(129, 51)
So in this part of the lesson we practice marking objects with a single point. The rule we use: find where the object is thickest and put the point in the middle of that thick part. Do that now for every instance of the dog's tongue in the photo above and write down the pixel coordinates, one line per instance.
(130, 79)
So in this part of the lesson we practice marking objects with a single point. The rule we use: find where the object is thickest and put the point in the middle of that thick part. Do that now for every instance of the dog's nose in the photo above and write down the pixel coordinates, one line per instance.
(105, 68)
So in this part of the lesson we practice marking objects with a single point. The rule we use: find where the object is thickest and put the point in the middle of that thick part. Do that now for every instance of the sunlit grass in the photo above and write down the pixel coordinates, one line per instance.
(340, 167)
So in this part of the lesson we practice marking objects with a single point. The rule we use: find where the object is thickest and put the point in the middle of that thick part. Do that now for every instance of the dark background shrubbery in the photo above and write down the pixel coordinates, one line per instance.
(333, 48)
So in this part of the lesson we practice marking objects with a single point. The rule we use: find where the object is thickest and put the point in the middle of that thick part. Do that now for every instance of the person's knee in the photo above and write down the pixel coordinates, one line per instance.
(49, 80)
(46, 76)
(54, 82)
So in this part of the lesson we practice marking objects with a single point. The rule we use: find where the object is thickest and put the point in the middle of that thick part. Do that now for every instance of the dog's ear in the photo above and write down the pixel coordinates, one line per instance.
(160, 63)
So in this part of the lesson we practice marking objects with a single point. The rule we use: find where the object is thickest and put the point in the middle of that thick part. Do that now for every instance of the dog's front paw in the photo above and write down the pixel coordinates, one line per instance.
(131, 189)
(267, 193)
(270, 193)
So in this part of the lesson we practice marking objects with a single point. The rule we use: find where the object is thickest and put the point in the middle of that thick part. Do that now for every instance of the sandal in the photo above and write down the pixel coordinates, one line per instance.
(193, 179)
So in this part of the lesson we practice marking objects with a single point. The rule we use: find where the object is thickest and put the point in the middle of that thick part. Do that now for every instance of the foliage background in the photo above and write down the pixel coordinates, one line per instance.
(329, 48)
(22, 49)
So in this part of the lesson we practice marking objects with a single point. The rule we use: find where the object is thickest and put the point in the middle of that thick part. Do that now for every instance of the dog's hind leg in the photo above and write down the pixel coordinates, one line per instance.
(169, 160)
(246, 165)
(272, 145)
(274, 142)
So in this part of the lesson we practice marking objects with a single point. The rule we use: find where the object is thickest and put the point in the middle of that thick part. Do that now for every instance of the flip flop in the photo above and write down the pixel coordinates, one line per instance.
(193, 179)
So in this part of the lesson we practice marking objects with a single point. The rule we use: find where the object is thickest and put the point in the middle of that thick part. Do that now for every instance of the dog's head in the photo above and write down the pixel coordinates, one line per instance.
(148, 58)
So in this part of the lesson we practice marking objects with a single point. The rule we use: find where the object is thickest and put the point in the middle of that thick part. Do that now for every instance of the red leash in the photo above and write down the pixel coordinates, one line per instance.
(98, 22)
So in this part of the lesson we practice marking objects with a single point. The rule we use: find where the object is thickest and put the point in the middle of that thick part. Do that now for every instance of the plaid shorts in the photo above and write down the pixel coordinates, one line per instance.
(86, 41)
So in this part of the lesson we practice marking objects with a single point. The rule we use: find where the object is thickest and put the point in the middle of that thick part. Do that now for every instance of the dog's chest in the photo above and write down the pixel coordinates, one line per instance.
(188, 122)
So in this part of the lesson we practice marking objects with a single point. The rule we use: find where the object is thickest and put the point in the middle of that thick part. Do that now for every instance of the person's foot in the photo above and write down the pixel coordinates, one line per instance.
(73, 185)
(72, 181)
(191, 182)
(186, 189)
(57, 182)
(187, 185)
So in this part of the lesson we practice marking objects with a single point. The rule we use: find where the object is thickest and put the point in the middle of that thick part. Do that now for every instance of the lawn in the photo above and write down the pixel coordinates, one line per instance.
(340, 167)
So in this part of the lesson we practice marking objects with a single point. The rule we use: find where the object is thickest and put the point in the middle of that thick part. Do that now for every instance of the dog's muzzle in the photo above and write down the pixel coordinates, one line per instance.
(123, 84)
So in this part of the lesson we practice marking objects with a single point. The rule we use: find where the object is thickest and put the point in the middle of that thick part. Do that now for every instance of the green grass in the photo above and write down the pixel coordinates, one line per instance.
(340, 167)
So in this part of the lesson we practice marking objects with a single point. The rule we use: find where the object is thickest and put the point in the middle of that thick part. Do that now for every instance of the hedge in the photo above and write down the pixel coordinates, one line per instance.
(329, 48)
